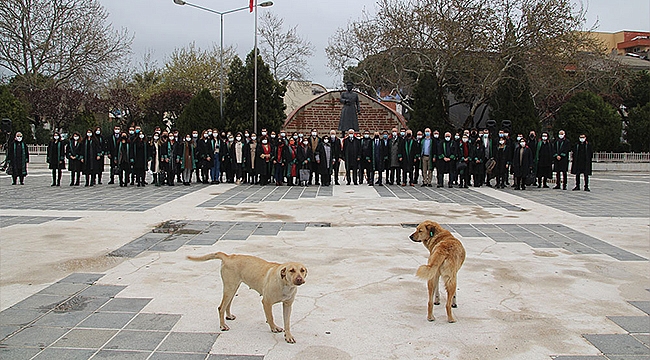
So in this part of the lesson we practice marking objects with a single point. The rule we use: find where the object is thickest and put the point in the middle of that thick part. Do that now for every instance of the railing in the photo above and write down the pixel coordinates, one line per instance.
(621, 157)
(37, 149)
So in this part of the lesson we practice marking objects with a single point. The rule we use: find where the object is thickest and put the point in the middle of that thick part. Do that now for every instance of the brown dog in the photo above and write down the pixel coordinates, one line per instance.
(275, 282)
(446, 256)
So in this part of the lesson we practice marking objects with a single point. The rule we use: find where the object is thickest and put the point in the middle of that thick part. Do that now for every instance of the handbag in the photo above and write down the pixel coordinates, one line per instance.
(461, 165)
(490, 165)
(530, 179)
(304, 174)
(10, 170)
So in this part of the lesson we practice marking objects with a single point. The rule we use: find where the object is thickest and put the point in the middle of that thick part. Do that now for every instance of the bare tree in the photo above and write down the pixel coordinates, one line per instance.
(68, 41)
(285, 52)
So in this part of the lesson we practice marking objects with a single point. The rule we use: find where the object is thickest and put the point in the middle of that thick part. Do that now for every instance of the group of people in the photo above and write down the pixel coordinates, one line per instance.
(466, 157)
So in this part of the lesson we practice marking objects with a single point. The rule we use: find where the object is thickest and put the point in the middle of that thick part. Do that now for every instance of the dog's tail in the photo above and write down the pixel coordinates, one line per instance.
(218, 255)
(426, 272)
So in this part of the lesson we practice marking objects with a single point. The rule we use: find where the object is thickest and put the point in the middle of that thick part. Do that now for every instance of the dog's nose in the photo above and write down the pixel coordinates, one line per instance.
(299, 281)
(411, 237)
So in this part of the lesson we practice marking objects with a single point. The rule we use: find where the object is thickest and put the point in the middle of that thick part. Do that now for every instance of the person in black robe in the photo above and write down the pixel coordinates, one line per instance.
(336, 156)
(446, 160)
(464, 157)
(351, 156)
(543, 161)
(477, 162)
(264, 160)
(141, 156)
(17, 158)
(99, 166)
(90, 155)
(124, 159)
(376, 160)
(522, 164)
(110, 149)
(56, 158)
(411, 155)
(502, 156)
(561, 149)
(74, 155)
(582, 157)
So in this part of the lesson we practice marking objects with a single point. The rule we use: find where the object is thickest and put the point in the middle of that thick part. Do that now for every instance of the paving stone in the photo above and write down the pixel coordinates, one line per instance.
(18, 353)
(67, 354)
(644, 338)
(13, 316)
(642, 305)
(43, 302)
(203, 239)
(235, 357)
(188, 342)
(617, 344)
(6, 330)
(81, 278)
(85, 338)
(579, 357)
(172, 243)
(294, 226)
(62, 319)
(122, 355)
(65, 289)
(35, 336)
(136, 340)
(161, 322)
(81, 303)
(126, 304)
(102, 290)
(632, 324)
(107, 320)
(628, 357)
(176, 356)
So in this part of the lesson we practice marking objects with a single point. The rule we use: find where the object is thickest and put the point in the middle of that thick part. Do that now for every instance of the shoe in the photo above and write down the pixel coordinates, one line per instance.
(429, 185)
(539, 186)
(587, 188)
(356, 184)
(517, 188)
(403, 184)
(556, 187)
(348, 183)
(564, 187)
(423, 185)
(576, 188)
(439, 186)
(337, 183)
(412, 184)
(523, 187)
(379, 183)
(111, 182)
(465, 186)
(99, 183)
(53, 184)
(450, 186)
(71, 184)
(545, 186)
(371, 184)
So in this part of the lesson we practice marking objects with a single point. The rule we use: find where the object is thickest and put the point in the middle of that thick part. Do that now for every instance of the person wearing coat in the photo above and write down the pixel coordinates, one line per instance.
(155, 149)
(17, 158)
(74, 155)
(324, 157)
(124, 159)
(238, 157)
(446, 159)
(205, 154)
(56, 158)
(336, 156)
(464, 157)
(185, 157)
(582, 157)
(168, 158)
(385, 151)
(264, 160)
(477, 162)
(290, 155)
(428, 148)
(141, 155)
(395, 146)
(411, 155)
(99, 166)
(351, 155)
(543, 161)
(110, 150)
(522, 164)
(250, 162)
(375, 159)
(561, 149)
(502, 156)
(90, 156)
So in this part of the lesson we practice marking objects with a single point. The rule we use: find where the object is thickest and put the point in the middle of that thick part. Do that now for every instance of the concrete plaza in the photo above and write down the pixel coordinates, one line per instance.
(101, 272)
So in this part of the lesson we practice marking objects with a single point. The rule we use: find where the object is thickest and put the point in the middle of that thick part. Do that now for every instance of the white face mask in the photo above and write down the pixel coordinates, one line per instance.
(465, 139)
(456, 137)
(326, 140)
(485, 135)
(295, 137)
(141, 136)
(56, 137)
(283, 134)
(435, 136)
(305, 143)
(116, 131)
(394, 133)
(272, 136)
(402, 133)
(19, 138)
(366, 136)
(313, 133)
(76, 137)
(544, 138)
(188, 138)
(209, 133)
(98, 132)
(419, 137)
(156, 137)
(206, 135)
(447, 138)
(238, 138)
(518, 138)
(195, 135)
(253, 137)
(502, 142)
(264, 141)
(263, 133)
(561, 136)
(583, 140)
(171, 137)
(523, 144)
(131, 132)
(89, 134)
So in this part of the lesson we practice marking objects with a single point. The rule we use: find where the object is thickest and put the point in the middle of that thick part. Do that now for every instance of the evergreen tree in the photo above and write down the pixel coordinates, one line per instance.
(13, 109)
(238, 103)
(428, 106)
(587, 113)
(201, 113)
(638, 130)
(512, 101)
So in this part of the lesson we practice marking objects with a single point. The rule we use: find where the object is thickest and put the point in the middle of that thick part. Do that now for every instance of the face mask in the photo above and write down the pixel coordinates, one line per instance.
(238, 138)
(502, 142)
(385, 136)
(141, 136)
(264, 141)
(155, 137)
(98, 132)
(137, 131)
(295, 137)
(465, 139)
(195, 135)
(116, 131)
(561, 136)
(313, 133)
(523, 144)
(19, 138)
(485, 135)
(263, 133)
(272, 136)
(188, 139)
(131, 132)
(583, 140)
(435, 136)
(56, 137)
(394, 133)
(283, 134)
(333, 136)
(447, 138)
(326, 140)
(253, 137)
(505, 134)
(402, 133)
(209, 133)
(427, 134)
(518, 138)
(206, 135)
(501, 135)
(366, 136)
(89, 134)
(305, 143)
(419, 137)
(171, 137)
(456, 137)
(544, 138)
(76, 137)
(351, 136)
(246, 135)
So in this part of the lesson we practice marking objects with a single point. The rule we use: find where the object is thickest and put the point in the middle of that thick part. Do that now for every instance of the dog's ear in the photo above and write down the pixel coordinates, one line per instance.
(432, 229)
(283, 272)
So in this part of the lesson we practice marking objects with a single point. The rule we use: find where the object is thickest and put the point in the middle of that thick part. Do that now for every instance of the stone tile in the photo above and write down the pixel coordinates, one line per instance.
(6, 330)
(85, 338)
(35, 336)
(65, 289)
(617, 344)
(125, 304)
(13, 316)
(67, 354)
(644, 338)
(202, 239)
(107, 320)
(18, 353)
(294, 226)
(136, 340)
(160, 322)
(172, 243)
(632, 324)
(81, 303)
(176, 356)
(102, 291)
(188, 342)
(579, 357)
(628, 357)
(122, 355)
(235, 357)
(62, 319)
(42, 302)
(642, 305)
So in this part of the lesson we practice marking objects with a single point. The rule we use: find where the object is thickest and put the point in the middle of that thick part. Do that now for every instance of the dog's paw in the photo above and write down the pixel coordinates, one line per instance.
(276, 329)
(436, 303)
(431, 318)
(452, 320)
(454, 306)
(231, 317)
(289, 339)
(225, 327)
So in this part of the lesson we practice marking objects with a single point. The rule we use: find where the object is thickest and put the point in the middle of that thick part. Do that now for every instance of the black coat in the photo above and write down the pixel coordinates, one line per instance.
(73, 153)
(503, 157)
(264, 164)
(18, 157)
(320, 157)
(141, 154)
(544, 159)
(90, 150)
(477, 158)
(351, 152)
(522, 165)
(304, 156)
(56, 155)
(110, 148)
(561, 148)
(446, 149)
(582, 156)
(411, 153)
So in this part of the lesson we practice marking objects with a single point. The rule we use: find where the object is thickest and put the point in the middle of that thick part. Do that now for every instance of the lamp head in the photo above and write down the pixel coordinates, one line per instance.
(179, 2)
(264, 4)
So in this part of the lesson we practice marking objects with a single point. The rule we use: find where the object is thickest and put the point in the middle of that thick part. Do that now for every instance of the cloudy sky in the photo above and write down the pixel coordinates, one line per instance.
(159, 26)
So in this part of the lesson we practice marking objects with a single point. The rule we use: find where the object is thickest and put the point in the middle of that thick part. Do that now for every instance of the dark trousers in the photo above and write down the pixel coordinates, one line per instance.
(355, 174)
(407, 173)
(75, 177)
(15, 178)
(335, 171)
(395, 172)
(313, 173)
(586, 178)
(56, 177)
(125, 171)
(114, 171)
(520, 182)
(416, 172)
(557, 179)
(90, 179)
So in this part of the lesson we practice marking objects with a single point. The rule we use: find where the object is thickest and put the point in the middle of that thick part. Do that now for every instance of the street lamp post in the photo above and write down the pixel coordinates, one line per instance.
(221, 14)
